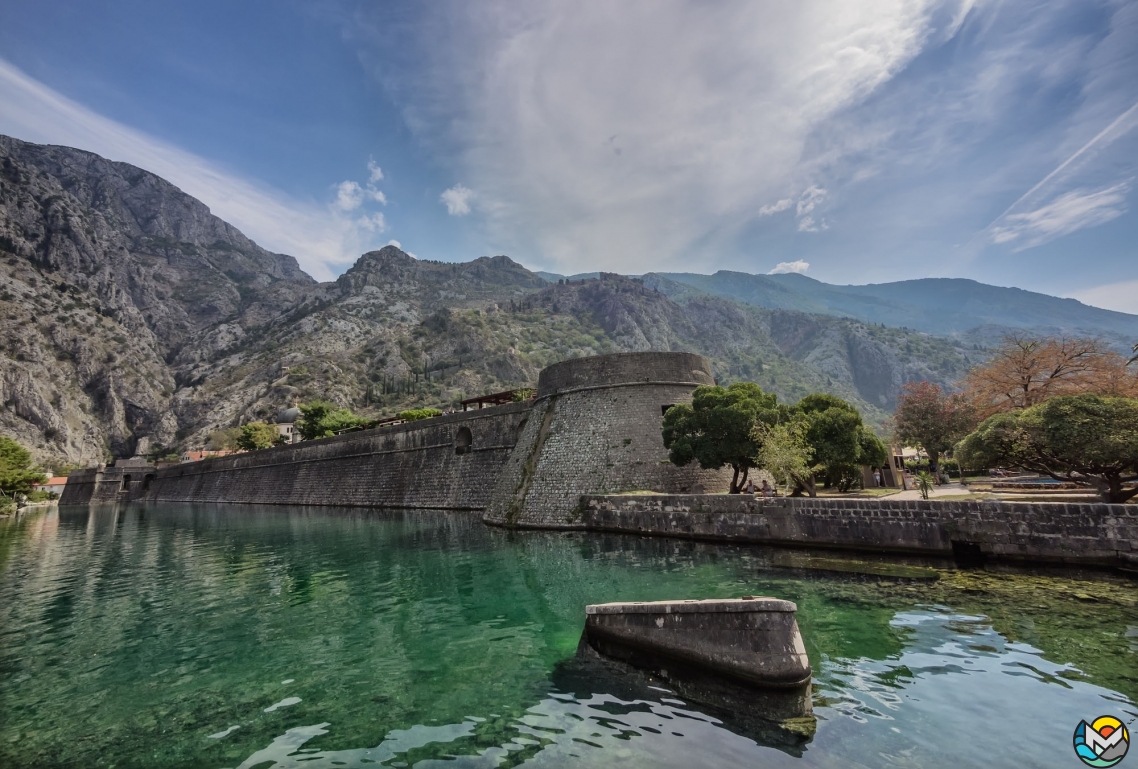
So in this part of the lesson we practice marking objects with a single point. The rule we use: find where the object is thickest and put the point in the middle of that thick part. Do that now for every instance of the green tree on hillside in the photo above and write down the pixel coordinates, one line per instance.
(17, 473)
(258, 435)
(1086, 439)
(717, 428)
(321, 419)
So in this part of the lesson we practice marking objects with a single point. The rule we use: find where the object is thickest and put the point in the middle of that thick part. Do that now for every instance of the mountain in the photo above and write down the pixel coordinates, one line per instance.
(133, 320)
(945, 306)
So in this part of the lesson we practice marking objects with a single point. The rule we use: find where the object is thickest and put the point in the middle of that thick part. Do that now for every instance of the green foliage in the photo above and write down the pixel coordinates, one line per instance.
(717, 429)
(1086, 439)
(925, 483)
(410, 415)
(258, 435)
(523, 394)
(220, 440)
(839, 442)
(321, 419)
(17, 473)
(784, 452)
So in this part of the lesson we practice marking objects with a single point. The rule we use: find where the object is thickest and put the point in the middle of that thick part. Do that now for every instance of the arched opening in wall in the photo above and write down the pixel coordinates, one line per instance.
(518, 432)
(146, 479)
(462, 440)
(125, 483)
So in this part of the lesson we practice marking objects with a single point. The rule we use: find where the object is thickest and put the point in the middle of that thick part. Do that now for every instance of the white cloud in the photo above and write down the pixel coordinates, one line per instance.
(809, 200)
(1071, 211)
(349, 196)
(373, 222)
(775, 208)
(713, 106)
(457, 200)
(395, 243)
(376, 195)
(799, 266)
(807, 224)
(375, 173)
(322, 240)
(1121, 296)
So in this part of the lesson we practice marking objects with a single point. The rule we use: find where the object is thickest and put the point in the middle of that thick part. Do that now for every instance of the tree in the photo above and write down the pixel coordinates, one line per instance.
(17, 473)
(321, 419)
(839, 442)
(1085, 439)
(1025, 371)
(784, 452)
(716, 429)
(220, 440)
(928, 417)
(258, 435)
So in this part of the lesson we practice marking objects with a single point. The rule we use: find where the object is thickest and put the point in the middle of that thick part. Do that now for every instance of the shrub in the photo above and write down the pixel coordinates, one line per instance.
(410, 415)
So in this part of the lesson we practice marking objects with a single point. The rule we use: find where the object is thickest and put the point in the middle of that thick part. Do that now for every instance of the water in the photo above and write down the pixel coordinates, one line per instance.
(224, 637)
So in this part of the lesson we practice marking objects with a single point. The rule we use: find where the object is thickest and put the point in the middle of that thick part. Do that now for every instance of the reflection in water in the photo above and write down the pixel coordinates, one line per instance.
(213, 636)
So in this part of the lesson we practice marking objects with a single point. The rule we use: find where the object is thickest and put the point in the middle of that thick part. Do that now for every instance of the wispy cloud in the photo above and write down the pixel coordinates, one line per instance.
(798, 266)
(776, 208)
(321, 238)
(713, 108)
(1054, 207)
(374, 172)
(1071, 211)
(457, 200)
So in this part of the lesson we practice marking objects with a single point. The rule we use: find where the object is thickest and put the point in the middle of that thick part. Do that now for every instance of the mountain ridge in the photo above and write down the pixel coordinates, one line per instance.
(134, 321)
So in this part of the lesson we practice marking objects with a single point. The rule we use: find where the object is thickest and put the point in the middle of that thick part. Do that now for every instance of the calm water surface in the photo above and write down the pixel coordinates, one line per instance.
(234, 636)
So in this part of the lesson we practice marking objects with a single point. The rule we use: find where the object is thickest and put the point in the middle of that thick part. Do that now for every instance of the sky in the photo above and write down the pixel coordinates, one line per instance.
(858, 142)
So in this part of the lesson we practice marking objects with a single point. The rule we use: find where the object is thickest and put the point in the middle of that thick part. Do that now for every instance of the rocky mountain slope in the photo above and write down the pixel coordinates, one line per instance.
(133, 320)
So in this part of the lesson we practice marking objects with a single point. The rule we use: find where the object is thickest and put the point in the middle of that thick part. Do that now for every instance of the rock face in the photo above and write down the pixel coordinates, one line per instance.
(134, 321)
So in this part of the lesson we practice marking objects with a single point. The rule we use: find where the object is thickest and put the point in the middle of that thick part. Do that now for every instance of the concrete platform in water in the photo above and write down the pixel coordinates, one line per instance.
(752, 640)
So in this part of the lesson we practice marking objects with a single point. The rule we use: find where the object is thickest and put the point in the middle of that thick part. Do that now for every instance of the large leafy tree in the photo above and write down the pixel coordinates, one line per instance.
(1025, 371)
(838, 440)
(928, 417)
(716, 429)
(17, 473)
(1086, 439)
(321, 419)
(784, 452)
(258, 435)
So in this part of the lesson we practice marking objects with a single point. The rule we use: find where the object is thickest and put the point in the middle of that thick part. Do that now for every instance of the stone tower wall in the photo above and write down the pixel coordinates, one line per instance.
(596, 425)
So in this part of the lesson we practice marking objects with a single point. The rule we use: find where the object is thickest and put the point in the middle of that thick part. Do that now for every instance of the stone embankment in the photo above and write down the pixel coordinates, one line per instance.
(1089, 534)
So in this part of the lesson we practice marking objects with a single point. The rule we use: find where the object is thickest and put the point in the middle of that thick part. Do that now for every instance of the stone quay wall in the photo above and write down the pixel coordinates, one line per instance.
(94, 485)
(1092, 534)
(595, 429)
(448, 462)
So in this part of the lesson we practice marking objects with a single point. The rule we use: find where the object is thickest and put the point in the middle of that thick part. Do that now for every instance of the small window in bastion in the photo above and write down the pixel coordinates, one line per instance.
(462, 441)
(665, 407)
(125, 483)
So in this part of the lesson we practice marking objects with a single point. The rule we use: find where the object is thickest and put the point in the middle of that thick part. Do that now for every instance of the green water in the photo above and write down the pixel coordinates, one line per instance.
(234, 636)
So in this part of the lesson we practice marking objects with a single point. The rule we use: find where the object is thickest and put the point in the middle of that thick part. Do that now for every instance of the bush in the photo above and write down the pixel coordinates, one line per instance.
(410, 415)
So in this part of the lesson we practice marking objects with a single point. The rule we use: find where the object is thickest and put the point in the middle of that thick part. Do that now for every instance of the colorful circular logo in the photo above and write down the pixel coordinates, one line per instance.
(1103, 742)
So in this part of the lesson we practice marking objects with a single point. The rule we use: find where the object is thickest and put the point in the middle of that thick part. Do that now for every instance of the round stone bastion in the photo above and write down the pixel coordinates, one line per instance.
(595, 428)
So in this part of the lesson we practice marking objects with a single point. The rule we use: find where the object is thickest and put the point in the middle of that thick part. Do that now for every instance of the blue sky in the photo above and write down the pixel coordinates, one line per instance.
(872, 141)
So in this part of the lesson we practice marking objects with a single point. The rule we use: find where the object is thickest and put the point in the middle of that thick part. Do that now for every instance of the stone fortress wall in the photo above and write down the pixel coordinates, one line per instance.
(106, 484)
(595, 429)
